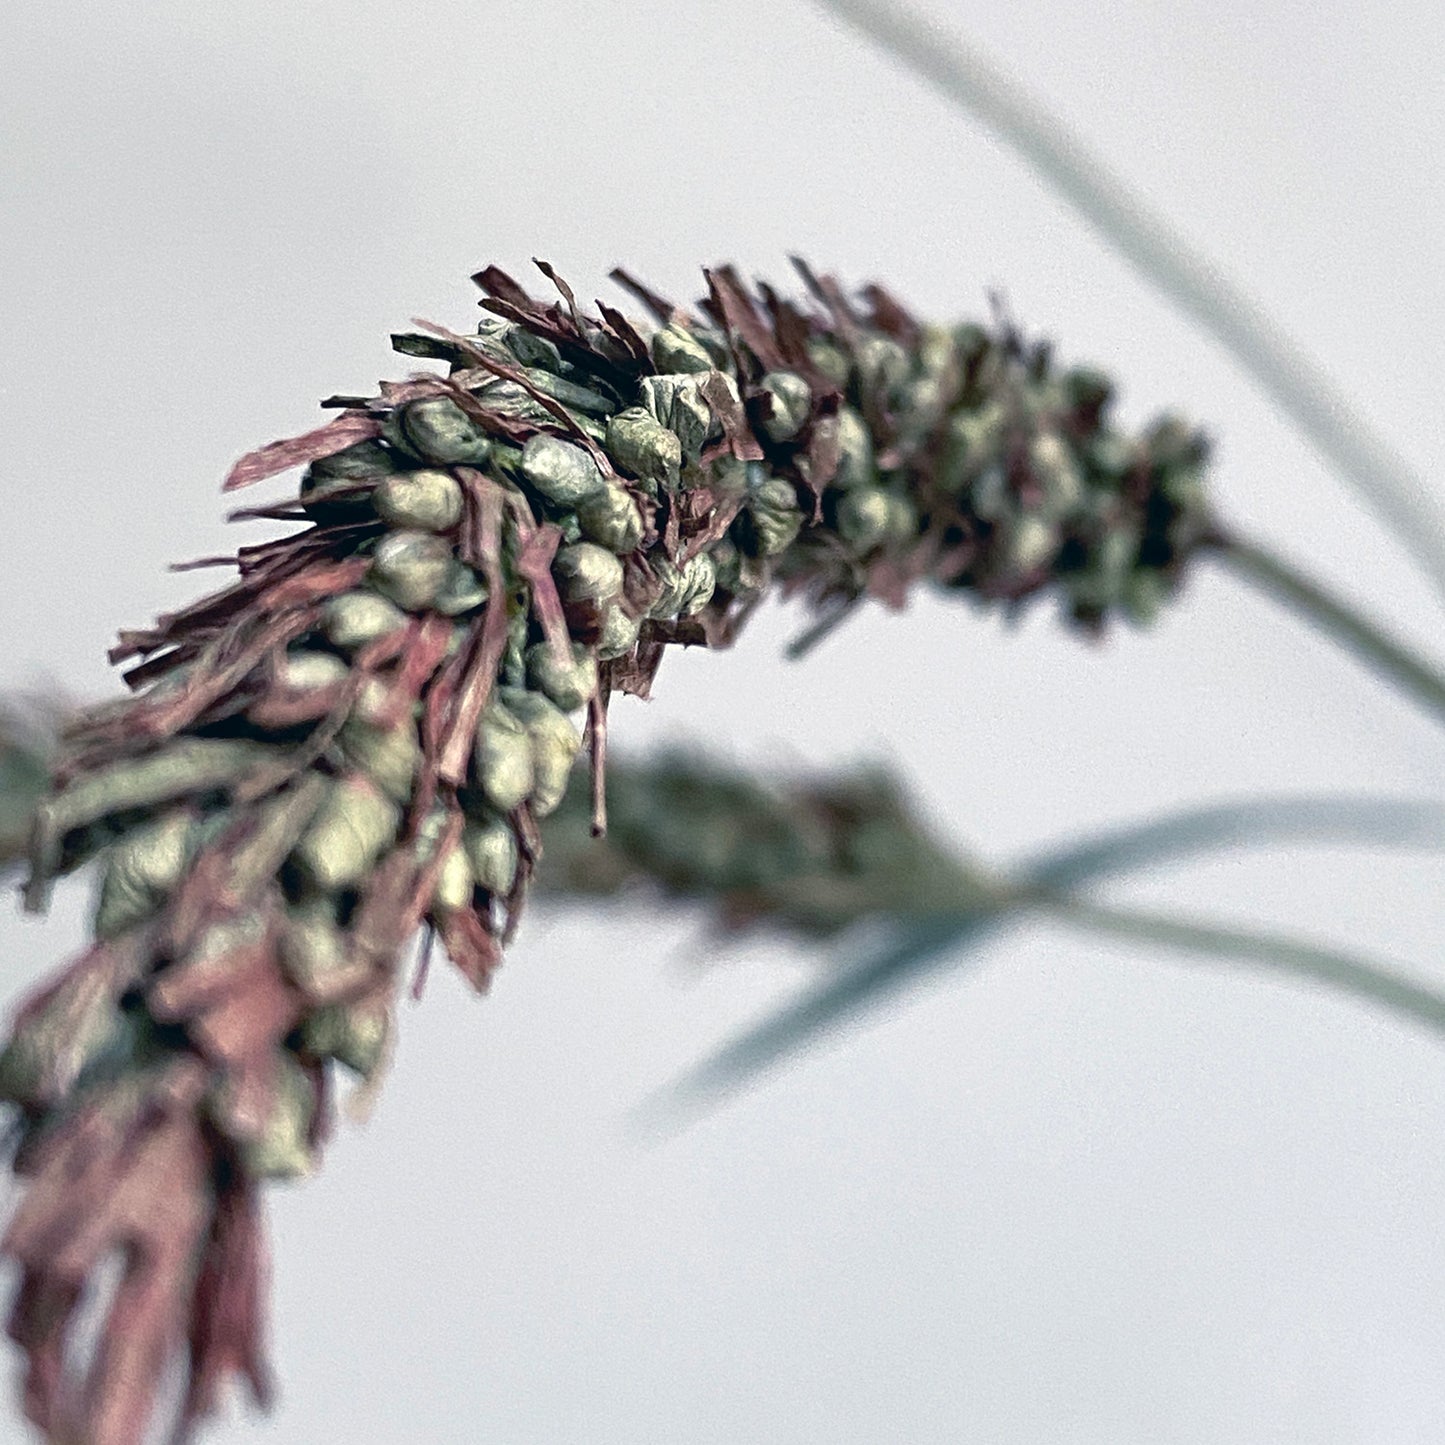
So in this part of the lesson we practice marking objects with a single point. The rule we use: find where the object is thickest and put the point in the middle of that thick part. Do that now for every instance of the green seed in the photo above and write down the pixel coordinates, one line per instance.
(411, 568)
(355, 823)
(281, 1149)
(678, 404)
(491, 850)
(869, 517)
(355, 1034)
(612, 519)
(503, 759)
(455, 882)
(463, 591)
(390, 756)
(569, 684)
(313, 949)
(555, 745)
(430, 501)
(141, 871)
(563, 473)
(437, 429)
(855, 451)
(792, 400)
(772, 520)
(304, 670)
(619, 634)
(675, 349)
(354, 619)
(643, 447)
(585, 572)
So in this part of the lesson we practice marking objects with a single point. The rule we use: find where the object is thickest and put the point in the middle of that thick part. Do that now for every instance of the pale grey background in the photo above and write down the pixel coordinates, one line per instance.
(1086, 1195)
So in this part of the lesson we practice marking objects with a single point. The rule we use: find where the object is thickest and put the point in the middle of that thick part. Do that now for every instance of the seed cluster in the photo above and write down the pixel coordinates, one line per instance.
(359, 736)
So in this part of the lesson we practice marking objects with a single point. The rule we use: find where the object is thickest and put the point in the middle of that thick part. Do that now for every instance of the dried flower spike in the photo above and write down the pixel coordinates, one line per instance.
(357, 738)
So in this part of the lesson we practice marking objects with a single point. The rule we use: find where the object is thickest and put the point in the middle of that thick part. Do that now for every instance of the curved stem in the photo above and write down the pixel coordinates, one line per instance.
(1343, 971)
(1399, 496)
(1416, 676)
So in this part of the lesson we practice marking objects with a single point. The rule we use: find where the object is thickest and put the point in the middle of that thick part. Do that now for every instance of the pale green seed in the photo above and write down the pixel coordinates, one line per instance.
(429, 501)
(140, 872)
(503, 759)
(462, 591)
(563, 473)
(491, 850)
(585, 572)
(643, 447)
(355, 1034)
(313, 949)
(304, 670)
(439, 430)
(388, 756)
(675, 349)
(455, 882)
(792, 400)
(354, 824)
(619, 634)
(612, 519)
(411, 568)
(555, 745)
(568, 683)
(281, 1149)
(355, 619)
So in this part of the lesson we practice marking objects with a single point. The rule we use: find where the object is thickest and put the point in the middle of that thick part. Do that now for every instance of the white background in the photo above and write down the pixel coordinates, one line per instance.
(1083, 1195)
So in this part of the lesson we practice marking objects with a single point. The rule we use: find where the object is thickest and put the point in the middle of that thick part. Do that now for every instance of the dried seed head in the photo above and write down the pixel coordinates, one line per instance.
(612, 519)
(676, 349)
(429, 500)
(354, 619)
(411, 568)
(491, 850)
(355, 823)
(502, 759)
(569, 684)
(644, 448)
(792, 400)
(563, 473)
(439, 431)
(1058, 472)
(585, 572)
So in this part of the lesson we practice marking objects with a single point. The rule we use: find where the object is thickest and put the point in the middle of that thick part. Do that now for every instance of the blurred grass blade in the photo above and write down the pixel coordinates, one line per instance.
(1346, 972)
(920, 947)
(1188, 832)
(1398, 495)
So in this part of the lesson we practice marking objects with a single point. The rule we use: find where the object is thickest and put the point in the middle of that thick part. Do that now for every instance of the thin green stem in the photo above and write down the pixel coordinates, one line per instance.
(1417, 677)
(1399, 496)
(1345, 972)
